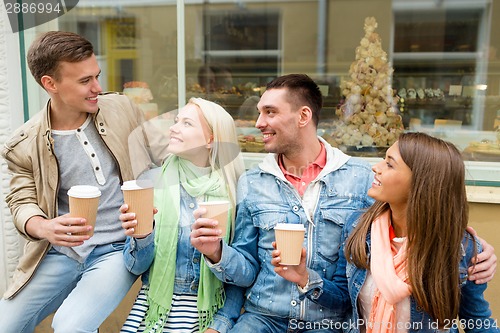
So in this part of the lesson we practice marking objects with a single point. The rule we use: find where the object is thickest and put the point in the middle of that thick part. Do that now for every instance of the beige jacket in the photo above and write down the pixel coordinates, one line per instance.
(35, 173)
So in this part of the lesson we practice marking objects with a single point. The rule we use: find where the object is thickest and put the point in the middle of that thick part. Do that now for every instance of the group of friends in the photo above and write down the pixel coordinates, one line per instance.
(386, 247)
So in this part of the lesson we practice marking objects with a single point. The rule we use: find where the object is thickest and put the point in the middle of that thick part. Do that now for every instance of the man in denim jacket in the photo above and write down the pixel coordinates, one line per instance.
(303, 181)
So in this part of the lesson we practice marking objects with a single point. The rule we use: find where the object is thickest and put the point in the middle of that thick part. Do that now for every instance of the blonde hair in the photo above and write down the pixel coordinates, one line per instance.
(225, 154)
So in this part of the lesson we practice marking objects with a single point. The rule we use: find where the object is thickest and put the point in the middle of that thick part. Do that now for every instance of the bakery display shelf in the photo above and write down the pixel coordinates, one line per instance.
(448, 102)
(364, 151)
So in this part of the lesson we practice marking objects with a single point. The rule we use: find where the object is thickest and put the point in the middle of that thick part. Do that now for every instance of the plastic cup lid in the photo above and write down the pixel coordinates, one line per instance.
(137, 184)
(289, 226)
(84, 191)
(218, 202)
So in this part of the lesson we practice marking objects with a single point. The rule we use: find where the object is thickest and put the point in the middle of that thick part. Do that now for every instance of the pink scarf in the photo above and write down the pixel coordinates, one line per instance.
(388, 268)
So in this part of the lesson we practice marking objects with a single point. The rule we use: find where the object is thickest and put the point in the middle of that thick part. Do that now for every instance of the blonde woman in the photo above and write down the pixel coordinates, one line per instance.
(179, 292)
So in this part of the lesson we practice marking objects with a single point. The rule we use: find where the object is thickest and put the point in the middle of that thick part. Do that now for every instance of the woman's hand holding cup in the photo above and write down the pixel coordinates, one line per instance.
(129, 221)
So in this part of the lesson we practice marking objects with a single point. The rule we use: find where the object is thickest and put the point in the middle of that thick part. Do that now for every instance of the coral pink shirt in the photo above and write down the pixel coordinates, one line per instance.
(309, 174)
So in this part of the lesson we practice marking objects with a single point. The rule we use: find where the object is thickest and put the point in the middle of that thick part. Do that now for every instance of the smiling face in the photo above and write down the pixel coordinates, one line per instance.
(279, 122)
(75, 87)
(190, 136)
(392, 179)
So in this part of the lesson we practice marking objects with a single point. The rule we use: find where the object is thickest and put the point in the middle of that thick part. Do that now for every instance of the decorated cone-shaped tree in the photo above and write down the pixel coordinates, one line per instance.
(368, 115)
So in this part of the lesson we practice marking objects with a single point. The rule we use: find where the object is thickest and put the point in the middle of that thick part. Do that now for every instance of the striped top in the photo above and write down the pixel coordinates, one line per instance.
(183, 316)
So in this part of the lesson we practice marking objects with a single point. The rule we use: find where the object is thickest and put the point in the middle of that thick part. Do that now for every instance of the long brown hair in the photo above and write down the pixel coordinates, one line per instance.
(437, 216)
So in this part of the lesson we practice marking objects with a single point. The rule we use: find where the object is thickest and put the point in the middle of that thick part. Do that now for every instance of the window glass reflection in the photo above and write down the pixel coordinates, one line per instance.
(443, 55)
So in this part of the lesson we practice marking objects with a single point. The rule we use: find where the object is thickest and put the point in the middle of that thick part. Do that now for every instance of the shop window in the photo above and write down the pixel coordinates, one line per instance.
(91, 30)
(121, 46)
(437, 60)
(242, 39)
(441, 73)
(438, 50)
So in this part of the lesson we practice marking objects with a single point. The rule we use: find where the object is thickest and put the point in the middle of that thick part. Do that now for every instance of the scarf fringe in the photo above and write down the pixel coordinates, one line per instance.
(177, 171)
(156, 316)
(205, 317)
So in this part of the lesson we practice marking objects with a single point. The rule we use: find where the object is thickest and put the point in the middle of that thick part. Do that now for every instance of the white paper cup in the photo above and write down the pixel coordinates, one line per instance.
(217, 210)
(83, 202)
(138, 195)
(289, 240)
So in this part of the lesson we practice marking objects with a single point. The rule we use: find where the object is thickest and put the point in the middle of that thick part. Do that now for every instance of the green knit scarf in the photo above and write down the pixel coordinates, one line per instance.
(177, 171)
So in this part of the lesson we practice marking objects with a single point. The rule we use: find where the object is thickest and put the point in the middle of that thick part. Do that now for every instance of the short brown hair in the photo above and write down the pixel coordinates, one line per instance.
(302, 90)
(52, 47)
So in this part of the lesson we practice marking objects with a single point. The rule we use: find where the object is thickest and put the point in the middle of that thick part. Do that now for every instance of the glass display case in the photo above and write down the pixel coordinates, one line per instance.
(437, 65)
(442, 69)
(440, 74)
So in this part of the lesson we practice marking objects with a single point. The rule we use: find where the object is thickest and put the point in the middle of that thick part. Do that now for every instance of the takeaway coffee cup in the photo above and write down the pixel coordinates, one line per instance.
(83, 202)
(217, 210)
(138, 195)
(289, 240)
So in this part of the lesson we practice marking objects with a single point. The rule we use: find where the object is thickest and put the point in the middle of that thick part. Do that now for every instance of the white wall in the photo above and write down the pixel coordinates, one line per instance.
(11, 117)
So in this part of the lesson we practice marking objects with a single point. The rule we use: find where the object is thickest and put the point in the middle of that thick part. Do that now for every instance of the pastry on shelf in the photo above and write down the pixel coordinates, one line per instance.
(429, 93)
(245, 123)
(438, 93)
(139, 93)
(484, 150)
(254, 144)
(484, 146)
(412, 93)
(420, 93)
(368, 115)
(242, 142)
(402, 93)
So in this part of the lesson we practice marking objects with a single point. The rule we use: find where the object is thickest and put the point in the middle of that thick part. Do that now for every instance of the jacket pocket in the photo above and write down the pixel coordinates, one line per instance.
(267, 215)
(329, 235)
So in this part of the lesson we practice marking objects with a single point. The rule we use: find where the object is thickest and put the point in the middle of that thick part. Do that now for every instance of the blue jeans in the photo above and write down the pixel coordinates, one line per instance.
(256, 323)
(82, 294)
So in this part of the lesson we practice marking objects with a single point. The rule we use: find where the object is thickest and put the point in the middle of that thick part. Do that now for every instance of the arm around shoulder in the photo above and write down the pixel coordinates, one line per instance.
(475, 313)
(485, 262)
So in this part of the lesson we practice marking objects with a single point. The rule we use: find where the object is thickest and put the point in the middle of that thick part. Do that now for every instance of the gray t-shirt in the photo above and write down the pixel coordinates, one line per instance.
(84, 159)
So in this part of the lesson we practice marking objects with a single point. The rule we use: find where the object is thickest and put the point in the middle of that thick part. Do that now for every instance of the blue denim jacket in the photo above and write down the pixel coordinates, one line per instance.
(139, 255)
(474, 309)
(266, 198)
